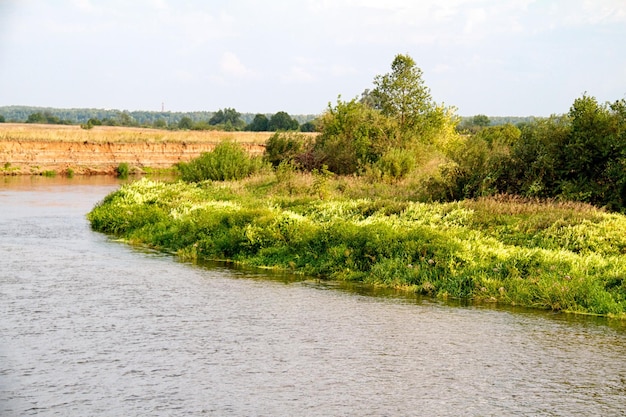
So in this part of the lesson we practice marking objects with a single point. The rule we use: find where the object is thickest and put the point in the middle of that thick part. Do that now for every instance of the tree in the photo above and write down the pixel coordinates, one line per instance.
(282, 121)
(36, 118)
(228, 117)
(402, 94)
(260, 123)
(185, 123)
(352, 135)
(481, 120)
(2, 119)
(310, 126)
(160, 123)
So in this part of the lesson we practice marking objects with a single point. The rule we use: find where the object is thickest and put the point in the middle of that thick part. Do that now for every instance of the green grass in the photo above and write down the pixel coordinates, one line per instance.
(556, 256)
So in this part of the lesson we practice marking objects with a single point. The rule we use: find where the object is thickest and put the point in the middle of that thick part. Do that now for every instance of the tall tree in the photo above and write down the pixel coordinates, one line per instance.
(282, 121)
(402, 94)
(260, 123)
(227, 116)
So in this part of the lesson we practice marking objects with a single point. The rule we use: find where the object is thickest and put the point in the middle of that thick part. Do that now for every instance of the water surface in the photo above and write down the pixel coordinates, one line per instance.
(90, 326)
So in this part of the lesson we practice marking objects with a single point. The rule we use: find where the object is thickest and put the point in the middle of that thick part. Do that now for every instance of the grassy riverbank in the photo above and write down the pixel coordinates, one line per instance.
(559, 256)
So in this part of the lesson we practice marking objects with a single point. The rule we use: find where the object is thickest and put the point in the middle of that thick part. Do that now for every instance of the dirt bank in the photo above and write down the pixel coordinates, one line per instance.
(35, 148)
(36, 157)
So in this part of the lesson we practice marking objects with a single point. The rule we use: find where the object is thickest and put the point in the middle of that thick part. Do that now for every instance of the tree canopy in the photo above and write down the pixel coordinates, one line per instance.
(282, 121)
(402, 94)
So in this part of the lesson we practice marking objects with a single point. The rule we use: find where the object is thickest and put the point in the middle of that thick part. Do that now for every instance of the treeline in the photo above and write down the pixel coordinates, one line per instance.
(223, 119)
(396, 132)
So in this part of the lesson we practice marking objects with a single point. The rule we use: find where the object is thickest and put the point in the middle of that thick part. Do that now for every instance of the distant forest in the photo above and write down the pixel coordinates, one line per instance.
(224, 119)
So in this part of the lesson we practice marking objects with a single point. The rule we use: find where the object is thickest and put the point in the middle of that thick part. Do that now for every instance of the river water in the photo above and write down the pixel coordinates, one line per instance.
(92, 327)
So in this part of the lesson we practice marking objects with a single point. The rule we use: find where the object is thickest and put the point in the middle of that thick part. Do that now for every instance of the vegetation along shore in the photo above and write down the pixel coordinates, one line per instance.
(395, 190)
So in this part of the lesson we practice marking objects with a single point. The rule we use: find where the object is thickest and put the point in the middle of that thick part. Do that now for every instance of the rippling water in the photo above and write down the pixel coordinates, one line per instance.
(90, 326)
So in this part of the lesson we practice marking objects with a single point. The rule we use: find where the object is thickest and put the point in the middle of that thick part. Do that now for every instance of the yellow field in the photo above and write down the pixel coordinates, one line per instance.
(108, 134)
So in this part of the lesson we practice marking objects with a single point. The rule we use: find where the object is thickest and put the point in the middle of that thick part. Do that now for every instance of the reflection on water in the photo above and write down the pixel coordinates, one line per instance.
(91, 326)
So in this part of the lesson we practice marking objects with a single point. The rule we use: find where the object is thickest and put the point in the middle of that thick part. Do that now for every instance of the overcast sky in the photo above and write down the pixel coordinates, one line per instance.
(494, 57)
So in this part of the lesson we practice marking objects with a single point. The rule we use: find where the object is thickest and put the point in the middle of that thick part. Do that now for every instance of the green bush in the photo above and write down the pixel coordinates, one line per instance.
(122, 170)
(285, 147)
(396, 164)
(228, 161)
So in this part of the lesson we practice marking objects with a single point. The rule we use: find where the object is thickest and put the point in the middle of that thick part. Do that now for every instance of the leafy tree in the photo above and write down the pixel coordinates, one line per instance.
(2, 119)
(159, 124)
(595, 153)
(282, 121)
(352, 135)
(309, 126)
(229, 118)
(368, 99)
(202, 125)
(185, 123)
(402, 94)
(36, 118)
(260, 123)
(127, 120)
(481, 120)
(536, 158)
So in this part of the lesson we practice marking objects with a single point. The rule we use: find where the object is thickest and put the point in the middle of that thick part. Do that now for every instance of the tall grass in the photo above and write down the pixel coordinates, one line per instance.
(539, 254)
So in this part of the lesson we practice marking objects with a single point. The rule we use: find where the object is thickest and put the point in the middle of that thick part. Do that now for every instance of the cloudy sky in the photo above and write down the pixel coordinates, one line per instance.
(494, 57)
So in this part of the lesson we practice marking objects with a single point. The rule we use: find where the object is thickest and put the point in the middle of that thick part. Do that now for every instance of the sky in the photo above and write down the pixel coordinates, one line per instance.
(493, 57)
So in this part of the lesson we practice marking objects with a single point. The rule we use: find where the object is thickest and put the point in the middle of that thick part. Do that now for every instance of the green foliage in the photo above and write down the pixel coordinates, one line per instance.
(113, 118)
(282, 121)
(402, 94)
(159, 124)
(2, 119)
(91, 123)
(260, 123)
(395, 164)
(309, 126)
(481, 120)
(122, 170)
(512, 251)
(185, 123)
(228, 161)
(228, 118)
(320, 181)
(289, 147)
(352, 135)
(36, 118)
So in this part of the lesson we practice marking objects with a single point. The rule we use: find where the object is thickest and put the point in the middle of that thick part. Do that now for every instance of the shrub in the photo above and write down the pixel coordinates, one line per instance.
(122, 170)
(228, 161)
(396, 164)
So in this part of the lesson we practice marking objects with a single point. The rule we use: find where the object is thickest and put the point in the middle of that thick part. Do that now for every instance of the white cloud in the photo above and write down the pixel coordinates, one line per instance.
(232, 66)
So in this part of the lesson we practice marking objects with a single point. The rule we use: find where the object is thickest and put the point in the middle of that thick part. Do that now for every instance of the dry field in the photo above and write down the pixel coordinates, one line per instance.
(22, 132)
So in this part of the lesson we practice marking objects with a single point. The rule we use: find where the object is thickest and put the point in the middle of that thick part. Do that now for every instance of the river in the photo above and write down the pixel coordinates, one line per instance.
(93, 327)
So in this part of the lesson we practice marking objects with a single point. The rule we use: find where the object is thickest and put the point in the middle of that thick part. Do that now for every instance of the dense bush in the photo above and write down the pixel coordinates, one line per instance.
(228, 161)
(288, 147)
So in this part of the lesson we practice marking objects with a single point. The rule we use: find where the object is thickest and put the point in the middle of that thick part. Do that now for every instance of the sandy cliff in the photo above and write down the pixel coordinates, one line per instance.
(35, 157)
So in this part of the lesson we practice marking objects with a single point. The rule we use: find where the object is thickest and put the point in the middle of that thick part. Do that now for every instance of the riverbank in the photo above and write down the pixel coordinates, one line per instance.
(557, 256)
(30, 149)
